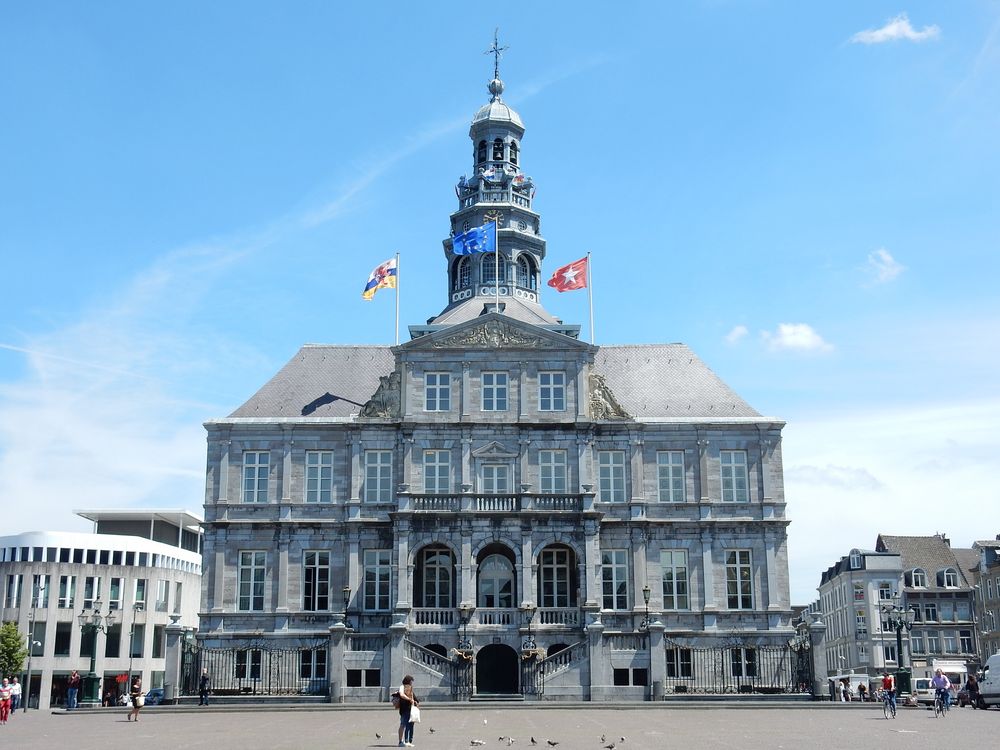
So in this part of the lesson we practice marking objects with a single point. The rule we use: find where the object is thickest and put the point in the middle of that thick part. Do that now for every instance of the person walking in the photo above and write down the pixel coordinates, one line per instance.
(972, 688)
(72, 690)
(204, 685)
(407, 701)
(15, 695)
(4, 701)
(136, 699)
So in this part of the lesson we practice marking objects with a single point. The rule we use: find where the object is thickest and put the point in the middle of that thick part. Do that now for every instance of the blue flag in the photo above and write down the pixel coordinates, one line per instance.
(477, 240)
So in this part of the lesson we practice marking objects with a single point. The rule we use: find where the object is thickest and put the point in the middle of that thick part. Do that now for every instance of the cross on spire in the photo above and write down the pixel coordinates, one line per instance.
(497, 51)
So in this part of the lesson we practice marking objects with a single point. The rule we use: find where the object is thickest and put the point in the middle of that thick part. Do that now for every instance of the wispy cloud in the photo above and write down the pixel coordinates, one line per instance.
(795, 337)
(882, 267)
(895, 29)
(736, 334)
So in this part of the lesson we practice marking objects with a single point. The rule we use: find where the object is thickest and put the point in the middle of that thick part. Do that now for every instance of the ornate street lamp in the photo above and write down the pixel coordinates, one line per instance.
(898, 618)
(465, 613)
(644, 625)
(136, 608)
(528, 611)
(91, 624)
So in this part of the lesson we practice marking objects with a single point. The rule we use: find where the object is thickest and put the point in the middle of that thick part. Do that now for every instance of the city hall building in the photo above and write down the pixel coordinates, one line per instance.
(496, 506)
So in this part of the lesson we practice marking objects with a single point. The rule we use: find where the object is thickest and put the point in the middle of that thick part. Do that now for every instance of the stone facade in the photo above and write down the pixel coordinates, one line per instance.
(495, 492)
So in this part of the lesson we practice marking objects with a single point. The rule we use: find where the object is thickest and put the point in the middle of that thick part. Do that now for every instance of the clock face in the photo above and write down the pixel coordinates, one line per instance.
(494, 215)
(522, 226)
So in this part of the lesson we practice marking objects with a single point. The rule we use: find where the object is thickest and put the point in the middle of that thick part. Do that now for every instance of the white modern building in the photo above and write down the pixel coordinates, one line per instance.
(140, 567)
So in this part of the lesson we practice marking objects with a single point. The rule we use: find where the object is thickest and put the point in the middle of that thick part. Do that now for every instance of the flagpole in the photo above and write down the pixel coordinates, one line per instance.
(496, 268)
(397, 299)
(590, 296)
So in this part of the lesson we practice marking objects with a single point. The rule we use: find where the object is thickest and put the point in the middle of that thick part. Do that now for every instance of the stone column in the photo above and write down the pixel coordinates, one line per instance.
(172, 687)
(335, 658)
(582, 392)
(637, 469)
(708, 576)
(224, 448)
(281, 590)
(466, 391)
(467, 469)
(467, 580)
(639, 569)
(521, 375)
(657, 660)
(404, 581)
(397, 652)
(219, 575)
(817, 637)
(599, 663)
(527, 564)
(592, 553)
(286, 463)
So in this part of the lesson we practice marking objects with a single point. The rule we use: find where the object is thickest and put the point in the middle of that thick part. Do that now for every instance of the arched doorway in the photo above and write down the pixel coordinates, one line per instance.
(496, 670)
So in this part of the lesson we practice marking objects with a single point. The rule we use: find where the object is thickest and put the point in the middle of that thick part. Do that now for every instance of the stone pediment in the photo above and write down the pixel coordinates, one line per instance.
(495, 331)
(494, 450)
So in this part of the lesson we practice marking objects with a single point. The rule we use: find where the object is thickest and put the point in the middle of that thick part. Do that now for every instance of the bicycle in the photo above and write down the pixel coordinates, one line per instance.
(888, 707)
(941, 706)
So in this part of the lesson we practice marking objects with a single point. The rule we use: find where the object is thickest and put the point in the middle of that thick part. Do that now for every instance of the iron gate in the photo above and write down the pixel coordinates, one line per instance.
(257, 669)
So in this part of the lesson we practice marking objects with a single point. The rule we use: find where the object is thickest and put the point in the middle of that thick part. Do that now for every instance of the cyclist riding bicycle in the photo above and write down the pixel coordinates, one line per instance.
(889, 688)
(942, 688)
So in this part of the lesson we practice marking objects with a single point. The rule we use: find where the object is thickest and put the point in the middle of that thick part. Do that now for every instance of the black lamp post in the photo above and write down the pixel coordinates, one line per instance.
(26, 687)
(91, 624)
(136, 608)
(644, 625)
(529, 615)
(347, 601)
(898, 618)
(465, 613)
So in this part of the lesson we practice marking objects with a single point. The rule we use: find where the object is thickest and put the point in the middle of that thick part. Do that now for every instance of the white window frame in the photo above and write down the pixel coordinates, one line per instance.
(316, 576)
(743, 662)
(437, 391)
(554, 572)
(162, 595)
(67, 592)
(919, 578)
(116, 590)
(12, 591)
(437, 471)
(251, 581)
(611, 476)
(319, 477)
(735, 476)
(739, 579)
(492, 476)
(885, 591)
(256, 468)
(675, 586)
(91, 591)
(495, 391)
(312, 664)
(377, 582)
(552, 390)
(139, 591)
(679, 662)
(614, 580)
(378, 476)
(40, 585)
(552, 471)
(670, 476)
(949, 576)
(248, 664)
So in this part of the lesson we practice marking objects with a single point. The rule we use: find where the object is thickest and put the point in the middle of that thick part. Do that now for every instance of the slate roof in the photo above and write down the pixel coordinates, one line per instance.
(651, 381)
(930, 553)
(968, 561)
(526, 312)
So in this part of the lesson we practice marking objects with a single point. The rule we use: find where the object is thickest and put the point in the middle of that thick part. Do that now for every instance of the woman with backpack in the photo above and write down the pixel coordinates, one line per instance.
(408, 701)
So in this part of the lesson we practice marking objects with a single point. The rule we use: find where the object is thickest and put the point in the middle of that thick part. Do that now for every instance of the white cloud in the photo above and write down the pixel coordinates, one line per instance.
(795, 337)
(736, 334)
(895, 29)
(882, 267)
(908, 471)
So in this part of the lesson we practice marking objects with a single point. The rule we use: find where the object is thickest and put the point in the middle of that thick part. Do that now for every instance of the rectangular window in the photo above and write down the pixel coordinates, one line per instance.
(378, 476)
(162, 595)
(670, 475)
(251, 581)
(933, 642)
(437, 391)
(113, 643)
(917, 643)
(316, 586)
(494, 391)
(950, 638)
(40, 586)
(739, 579)
(64, 634)
(551, 391)
(965, 641)
(554, 574)
(861, 622)
(735, 484)
(859, 591)
(930, 611)
(159, 640)
(552, 472)
(675, 578)
(91, 591)
(611, 476)
(947, 611)
(614, 573)
(12, 592)
(248, 663)
(39, 633)
(138, 640)
(140, 591)
(437, 472)
(679, 662)
(115, 594)
(312, 664)
(178, 591)
(319, 476)
(743, 662)
(255, 469)
(496, 479)
(889, 652)
(378, 579)
(67, 592)
(884, 591)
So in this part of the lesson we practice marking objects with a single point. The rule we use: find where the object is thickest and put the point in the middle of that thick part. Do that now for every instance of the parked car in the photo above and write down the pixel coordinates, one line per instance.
(923, 691)
(154, 697)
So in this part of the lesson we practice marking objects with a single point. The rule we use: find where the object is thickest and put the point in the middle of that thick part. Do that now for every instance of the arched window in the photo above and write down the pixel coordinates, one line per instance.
(525, 273)
(496, 582)
(513, 152)
(919, 579)
(498, 149)
(948, 578)
(481, 152)
(433, 577)
(487, 268)
(463, 270)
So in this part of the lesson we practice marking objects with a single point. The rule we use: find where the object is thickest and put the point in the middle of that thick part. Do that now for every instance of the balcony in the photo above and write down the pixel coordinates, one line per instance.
(493, 617)
(484, 503)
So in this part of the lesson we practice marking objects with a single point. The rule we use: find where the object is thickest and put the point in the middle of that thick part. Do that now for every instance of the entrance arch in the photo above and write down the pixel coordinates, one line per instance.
(497, 670)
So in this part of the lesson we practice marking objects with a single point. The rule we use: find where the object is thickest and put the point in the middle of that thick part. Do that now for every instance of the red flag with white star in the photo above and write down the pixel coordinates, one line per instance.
(570, 277)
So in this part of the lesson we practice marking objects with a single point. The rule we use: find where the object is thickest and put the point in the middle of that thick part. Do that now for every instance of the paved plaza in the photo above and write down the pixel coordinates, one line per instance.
(830, 726)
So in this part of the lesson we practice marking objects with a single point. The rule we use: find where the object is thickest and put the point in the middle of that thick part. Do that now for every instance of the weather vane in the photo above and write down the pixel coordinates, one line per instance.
(497, 51)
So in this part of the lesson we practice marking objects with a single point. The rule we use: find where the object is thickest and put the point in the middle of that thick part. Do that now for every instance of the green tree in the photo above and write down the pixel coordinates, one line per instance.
(12, 650)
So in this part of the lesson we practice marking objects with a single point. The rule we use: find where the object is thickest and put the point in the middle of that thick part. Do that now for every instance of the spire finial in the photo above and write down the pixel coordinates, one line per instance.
(497, 51)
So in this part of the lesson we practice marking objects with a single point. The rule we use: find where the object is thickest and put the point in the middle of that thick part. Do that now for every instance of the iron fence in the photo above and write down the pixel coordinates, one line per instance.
(257, 669)
(735, 667)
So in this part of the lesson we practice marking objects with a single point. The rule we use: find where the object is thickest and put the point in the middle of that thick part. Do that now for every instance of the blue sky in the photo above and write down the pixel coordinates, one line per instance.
(805, 193)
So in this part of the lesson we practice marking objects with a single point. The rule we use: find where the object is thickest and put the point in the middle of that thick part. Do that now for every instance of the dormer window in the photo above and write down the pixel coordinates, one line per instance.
(918, 579)
(525, 273)
(481, 152)
(498, 149)
(513, 152)
(948, 578)
(463, 270)
(855, 559)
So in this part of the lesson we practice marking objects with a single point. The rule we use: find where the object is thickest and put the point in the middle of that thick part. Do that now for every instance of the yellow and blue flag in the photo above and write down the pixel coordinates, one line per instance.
(383, 277)
(477, 240)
